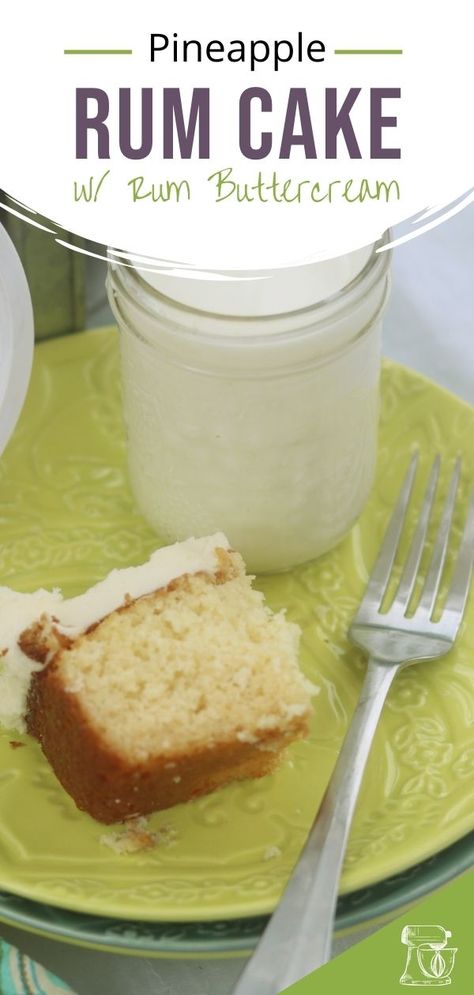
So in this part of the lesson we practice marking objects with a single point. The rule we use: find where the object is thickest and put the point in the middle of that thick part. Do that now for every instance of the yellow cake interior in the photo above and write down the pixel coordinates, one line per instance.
(201, 662)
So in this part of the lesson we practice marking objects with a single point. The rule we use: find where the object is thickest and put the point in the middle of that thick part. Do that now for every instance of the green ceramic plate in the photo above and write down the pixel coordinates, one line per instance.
(67, 518)
(230, 936)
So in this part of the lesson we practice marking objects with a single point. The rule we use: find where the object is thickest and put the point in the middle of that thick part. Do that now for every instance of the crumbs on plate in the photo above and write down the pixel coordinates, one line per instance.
(136, 835)
(271, 852)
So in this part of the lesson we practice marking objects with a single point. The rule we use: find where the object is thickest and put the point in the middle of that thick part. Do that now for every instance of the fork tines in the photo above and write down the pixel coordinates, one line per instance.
(380, 577)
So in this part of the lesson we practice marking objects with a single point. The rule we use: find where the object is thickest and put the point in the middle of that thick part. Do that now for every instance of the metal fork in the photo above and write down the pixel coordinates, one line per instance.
(298, 937)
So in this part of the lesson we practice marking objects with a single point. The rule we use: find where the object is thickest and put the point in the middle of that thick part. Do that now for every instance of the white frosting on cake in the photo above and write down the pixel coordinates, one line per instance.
(74, 615)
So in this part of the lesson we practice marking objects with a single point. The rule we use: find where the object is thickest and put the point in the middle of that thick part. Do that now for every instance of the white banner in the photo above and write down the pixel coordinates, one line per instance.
(247, 137)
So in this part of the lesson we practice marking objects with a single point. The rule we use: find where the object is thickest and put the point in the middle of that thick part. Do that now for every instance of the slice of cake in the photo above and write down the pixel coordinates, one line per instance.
(163, 682)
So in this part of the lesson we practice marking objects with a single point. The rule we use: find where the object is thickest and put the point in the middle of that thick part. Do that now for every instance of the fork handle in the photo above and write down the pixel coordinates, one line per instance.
(298, 937)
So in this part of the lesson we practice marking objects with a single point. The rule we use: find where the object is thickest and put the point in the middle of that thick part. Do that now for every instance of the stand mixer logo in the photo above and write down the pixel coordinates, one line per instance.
(429, 960)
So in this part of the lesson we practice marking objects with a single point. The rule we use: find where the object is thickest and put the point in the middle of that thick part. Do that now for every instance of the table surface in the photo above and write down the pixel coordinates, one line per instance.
(429, 327)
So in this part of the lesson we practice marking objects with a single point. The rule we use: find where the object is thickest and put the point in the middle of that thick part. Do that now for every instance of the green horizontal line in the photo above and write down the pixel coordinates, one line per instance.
(98, 51)
(368, 51)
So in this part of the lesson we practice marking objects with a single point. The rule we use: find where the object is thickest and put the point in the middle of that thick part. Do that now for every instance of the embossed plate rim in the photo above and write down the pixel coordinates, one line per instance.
(424, 878)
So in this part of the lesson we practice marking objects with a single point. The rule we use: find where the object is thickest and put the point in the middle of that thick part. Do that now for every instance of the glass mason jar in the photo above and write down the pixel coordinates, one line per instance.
(262, 427)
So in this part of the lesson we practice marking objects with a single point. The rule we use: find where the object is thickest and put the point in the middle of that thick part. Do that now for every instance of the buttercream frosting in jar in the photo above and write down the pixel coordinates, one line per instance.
(262, 426)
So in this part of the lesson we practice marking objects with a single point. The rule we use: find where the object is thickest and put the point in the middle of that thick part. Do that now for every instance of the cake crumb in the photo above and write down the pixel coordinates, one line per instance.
(246, 737)
(4, 651)
(75, 686)
(271, 852)
(270, 747)
(137, 836)
(15, 744)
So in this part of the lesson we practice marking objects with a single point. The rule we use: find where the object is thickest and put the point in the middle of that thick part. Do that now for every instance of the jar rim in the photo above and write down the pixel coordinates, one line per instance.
(126, 280)
(272, 372)
(153, 292)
